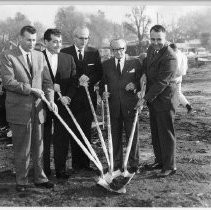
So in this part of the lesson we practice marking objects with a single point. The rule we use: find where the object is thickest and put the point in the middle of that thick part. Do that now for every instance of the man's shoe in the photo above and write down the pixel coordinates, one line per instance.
(153, 166)
(189, 108)
(90, 169)
(45, 184)
(47, 172)
(62, 175)
(21, 188)
(165, 173)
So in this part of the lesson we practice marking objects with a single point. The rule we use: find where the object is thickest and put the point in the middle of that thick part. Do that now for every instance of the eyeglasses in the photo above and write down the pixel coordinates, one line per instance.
(83, 38)
(118, 49)
(153, 39)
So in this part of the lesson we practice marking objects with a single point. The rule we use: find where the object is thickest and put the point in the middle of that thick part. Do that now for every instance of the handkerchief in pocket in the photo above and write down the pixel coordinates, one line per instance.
(90, 64)
(132, 71)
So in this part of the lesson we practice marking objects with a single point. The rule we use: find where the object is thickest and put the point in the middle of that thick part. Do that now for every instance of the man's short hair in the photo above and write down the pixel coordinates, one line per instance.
(79, 28)
(51, 31)
(118, 39)
(158, 28)
(30, 29)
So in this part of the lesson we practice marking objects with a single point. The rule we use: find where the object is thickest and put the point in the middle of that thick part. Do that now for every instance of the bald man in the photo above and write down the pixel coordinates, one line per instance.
(122, 76)
(88, 69)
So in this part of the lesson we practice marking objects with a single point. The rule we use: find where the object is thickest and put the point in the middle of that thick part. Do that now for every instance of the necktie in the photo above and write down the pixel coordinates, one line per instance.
(118, 67)
(29, 64)
(80, 55)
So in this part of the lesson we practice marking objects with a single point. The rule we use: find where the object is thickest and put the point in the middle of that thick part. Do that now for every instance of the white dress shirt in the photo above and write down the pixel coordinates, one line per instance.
(25, 54)
(53, 59)
(122, 63)
(77, 51)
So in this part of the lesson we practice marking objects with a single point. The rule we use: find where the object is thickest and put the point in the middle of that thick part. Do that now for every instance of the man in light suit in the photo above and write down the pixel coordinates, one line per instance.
(122, 77)
(160, 67)
(24, 74)
(62, 70)
(88, 69)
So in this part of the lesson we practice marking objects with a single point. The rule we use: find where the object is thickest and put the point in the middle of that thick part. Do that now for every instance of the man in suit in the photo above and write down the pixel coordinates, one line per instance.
(62, 70)
(160, 67)
(122, 77)
(24, 74)
(88, 70)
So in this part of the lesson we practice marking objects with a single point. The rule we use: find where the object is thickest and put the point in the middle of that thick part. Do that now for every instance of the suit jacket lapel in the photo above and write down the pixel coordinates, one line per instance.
(113, 66)
(34, 59)
(22, 61)
(126, 65)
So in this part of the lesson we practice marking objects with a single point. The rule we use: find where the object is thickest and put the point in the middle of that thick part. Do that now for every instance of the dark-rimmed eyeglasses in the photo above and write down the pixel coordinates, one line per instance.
(83, 38)
(118, 49)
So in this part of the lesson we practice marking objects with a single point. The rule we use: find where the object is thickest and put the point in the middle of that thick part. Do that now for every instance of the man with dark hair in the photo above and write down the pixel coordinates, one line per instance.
(122, 77)
(62, 70)
(88, 70)
(24, 74)
(160, 67)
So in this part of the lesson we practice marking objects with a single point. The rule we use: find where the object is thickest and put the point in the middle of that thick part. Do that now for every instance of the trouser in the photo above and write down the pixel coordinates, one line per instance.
(163, 137)
(181, 98)
(28, 138)
(48, 138)
(79, 158)
(117, 124)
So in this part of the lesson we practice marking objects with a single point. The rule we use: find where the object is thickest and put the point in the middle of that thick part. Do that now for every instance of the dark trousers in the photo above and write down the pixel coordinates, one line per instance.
(117, 129)
(163, 137)
(79, 158)
(47, 141)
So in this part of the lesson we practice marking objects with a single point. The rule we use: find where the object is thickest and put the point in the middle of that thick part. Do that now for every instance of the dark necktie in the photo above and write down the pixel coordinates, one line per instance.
(29, 64)
(118, 67)
(80, 55)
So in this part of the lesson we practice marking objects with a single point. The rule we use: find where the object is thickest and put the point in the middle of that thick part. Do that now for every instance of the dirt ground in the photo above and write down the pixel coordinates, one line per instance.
(189, 187)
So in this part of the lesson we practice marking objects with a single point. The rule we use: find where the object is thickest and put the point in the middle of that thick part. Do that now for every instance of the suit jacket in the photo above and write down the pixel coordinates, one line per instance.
(18, 82)
(120, 99)
(65, 77)
(90, 66)
(160, 70)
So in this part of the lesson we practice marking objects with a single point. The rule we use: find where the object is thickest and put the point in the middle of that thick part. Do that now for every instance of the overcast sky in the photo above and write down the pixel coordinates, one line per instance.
(44, 12)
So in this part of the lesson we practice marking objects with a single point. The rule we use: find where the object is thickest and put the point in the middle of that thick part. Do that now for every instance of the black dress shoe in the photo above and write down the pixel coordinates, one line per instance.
(165, 173)
(62, 175)
(21, 188)
(45, 184)
(90, 169)
(153, 166)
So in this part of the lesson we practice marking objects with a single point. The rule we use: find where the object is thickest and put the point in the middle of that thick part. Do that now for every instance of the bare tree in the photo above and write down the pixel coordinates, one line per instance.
(138, 23)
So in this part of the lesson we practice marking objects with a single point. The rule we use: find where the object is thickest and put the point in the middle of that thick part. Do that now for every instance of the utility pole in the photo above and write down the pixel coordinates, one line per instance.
(157, 18)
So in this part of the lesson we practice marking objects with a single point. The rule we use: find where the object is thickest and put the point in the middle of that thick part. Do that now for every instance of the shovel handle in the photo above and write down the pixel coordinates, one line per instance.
(72, 134)
(82, 133)
(97, 126)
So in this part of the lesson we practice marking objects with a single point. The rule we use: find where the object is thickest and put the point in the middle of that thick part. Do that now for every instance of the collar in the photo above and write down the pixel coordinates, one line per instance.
(77, 49)
(122, 60)
(50, 55)
(23, 51)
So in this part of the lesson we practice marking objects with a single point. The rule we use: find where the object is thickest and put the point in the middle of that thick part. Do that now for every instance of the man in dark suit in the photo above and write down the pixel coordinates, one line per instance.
(160, 67)
(24, 75)
(88, 70)
(62, 70)
(122, 77)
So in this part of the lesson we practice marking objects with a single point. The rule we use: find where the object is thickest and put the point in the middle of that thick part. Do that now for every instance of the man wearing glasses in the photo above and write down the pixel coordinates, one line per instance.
(88, 71)
(160, 67)
(122, 76)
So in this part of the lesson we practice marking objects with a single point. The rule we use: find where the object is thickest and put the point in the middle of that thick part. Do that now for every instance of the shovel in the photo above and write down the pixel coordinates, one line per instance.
(120, 182)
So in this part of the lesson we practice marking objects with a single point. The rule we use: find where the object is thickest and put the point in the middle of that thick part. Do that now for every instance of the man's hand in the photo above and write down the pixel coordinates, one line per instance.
(65, 100)
(53, 107)
(131, 86)
(56, 88)
(106, 95)
(84, 80)
(140, 105)
(143, 79)
(37, 92)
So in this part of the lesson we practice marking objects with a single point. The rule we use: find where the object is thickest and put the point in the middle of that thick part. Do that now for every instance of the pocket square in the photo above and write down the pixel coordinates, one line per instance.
(131, 71)
(90, 64)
